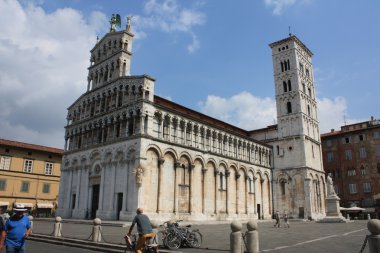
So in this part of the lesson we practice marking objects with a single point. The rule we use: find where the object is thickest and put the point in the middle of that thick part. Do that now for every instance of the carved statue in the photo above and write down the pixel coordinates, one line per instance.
(139, 175)
(128, 28)
(330, 187)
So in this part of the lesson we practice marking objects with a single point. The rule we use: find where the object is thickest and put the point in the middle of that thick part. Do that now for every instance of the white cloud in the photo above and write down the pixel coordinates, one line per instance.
(332, 114)
(280, 5)
(42, 58)
(243, 110)
(250, 112)
(170, 17)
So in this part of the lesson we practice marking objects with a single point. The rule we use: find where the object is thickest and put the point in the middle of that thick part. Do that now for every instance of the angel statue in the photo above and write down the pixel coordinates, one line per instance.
(115, 21)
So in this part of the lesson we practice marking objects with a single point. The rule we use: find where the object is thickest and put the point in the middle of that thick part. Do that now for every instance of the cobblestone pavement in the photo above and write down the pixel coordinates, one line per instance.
(310, 237)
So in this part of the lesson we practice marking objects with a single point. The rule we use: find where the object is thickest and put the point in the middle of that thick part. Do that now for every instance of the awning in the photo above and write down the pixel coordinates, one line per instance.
(352, 209)
(27, 205)
(45, 205)
(3, 203)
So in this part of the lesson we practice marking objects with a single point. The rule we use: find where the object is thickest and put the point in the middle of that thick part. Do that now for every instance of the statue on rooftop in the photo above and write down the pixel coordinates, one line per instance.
(115, 21)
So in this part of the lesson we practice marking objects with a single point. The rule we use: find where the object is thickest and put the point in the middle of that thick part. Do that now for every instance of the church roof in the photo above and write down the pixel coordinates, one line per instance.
(200, 117)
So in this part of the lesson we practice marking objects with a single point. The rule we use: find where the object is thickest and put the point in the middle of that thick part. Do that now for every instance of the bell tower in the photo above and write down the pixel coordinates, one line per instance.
(295, 100)
(298, 175)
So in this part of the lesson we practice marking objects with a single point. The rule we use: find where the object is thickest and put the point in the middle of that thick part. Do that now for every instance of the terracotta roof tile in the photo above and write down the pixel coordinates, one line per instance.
(30, 146)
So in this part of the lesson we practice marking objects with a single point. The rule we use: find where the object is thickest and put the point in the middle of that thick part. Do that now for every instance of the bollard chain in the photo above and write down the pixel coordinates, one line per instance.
(88, 239)
(364, 244)
(244, 244)
(100, 231)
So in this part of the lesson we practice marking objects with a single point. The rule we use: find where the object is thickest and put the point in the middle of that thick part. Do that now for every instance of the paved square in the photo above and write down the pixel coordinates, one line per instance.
(310, 237)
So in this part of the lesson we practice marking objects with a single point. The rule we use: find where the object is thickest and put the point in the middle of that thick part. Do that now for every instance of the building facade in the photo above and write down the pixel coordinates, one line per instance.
(127, 147)
(29, 174)
(352, 157)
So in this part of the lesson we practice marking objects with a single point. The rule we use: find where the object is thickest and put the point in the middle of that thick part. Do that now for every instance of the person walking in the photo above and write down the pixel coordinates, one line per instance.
(1, 229)
(144, 228)
(16, 229)
(286, 220)
(277, 217)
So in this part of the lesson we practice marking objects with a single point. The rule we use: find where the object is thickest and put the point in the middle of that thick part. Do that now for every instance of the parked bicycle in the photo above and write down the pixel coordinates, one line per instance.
(131, 241)
(177, 236)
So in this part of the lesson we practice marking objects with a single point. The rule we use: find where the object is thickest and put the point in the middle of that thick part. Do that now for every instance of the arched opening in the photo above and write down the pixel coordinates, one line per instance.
(289, 107)
(285, 87)
(289, 85)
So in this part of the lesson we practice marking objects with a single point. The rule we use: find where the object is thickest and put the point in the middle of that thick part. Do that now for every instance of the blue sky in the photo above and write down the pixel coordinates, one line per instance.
(208, 55)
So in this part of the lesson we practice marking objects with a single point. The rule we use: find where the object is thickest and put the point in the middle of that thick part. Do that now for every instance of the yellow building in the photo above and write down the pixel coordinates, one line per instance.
(29, 174)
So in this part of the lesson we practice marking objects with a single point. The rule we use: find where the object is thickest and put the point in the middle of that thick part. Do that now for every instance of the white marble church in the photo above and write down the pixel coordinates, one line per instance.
(128, 148)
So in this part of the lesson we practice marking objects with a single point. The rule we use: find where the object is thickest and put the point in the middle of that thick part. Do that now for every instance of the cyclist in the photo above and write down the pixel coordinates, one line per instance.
(144, 228)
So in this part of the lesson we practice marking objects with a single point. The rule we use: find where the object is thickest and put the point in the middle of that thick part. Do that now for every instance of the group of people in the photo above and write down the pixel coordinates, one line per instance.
(15, 230)
(277, 218)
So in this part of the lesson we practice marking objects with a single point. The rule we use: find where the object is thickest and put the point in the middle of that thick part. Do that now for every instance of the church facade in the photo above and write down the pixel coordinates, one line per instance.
(127, 147)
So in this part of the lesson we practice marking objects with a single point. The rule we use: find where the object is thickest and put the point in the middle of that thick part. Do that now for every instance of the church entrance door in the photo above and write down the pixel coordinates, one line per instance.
(119, 205)
(259, 211)
(94, 200)
(301, 213)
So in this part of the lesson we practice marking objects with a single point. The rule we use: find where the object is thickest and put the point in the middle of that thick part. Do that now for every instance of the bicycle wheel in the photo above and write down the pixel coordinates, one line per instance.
(172, 241)
(161, 238)
(195, 239)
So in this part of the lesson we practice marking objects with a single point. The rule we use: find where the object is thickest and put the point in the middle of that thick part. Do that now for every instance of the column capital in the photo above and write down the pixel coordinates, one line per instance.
(161, 161)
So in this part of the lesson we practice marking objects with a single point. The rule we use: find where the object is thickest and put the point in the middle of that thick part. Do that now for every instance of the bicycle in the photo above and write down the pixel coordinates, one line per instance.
(131, 242)
(178, 236)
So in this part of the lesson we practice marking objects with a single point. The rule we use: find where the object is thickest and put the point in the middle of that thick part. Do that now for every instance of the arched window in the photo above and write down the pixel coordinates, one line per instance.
(289, 107)
(285, 88)
(309, 90)
(288, 65)
(304, 88)
(282, 185)
(282, 67)
(289, 85)
(308, 110)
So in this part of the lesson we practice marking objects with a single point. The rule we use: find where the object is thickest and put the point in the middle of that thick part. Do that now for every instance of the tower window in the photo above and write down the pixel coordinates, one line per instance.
(304, 88)
(285, 87)
(283, 187)
(289, 107)
(308, 110)
(289, 85)
(301, 67)
(288, 64)
(309, 90)
(307, 73)
(282, 67)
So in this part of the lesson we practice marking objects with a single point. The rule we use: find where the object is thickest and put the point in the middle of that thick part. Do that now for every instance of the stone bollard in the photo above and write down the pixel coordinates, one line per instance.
(252, 237)
(155, 226)
(236, 238)
(96, 235)
(58, 227)
(374, 239)
(30, 217)
(368, 216)
(348, 217)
